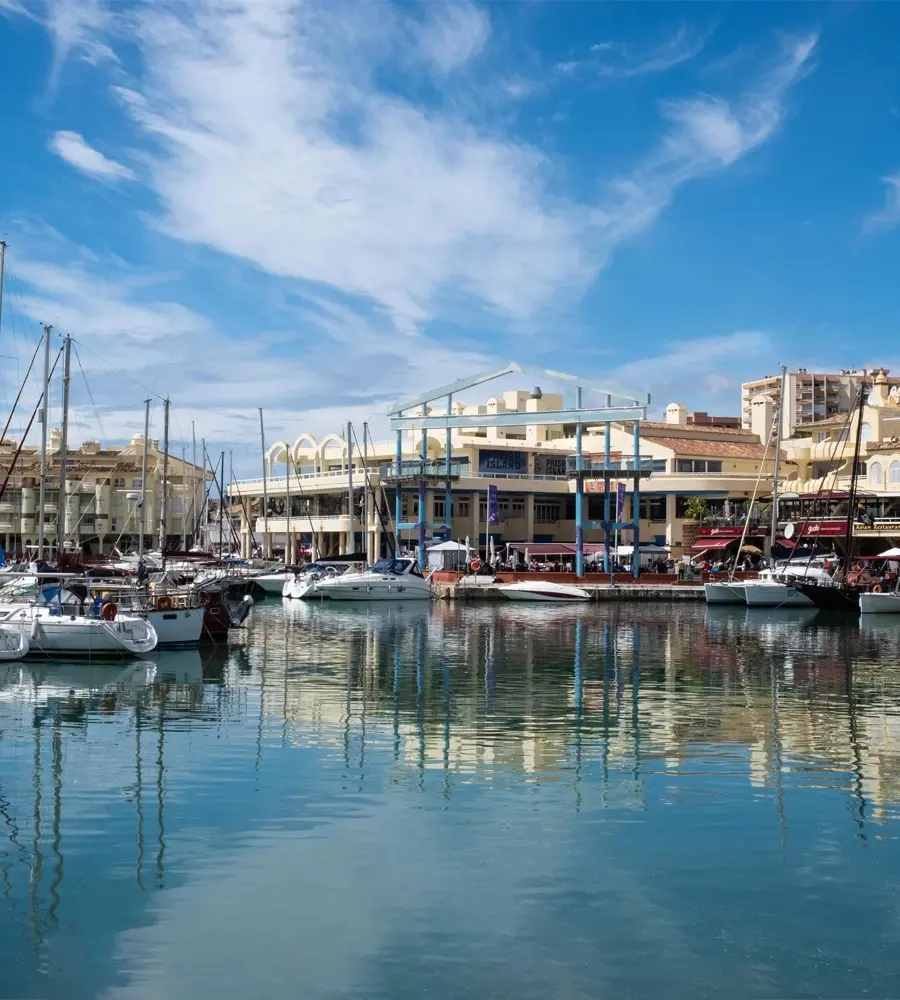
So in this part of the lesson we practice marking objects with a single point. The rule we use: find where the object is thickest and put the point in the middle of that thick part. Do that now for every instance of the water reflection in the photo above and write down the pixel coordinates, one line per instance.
(116, 781)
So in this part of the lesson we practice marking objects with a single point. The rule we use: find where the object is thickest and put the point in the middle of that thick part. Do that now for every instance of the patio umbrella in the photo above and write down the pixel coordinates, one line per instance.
(752, 549)
(467, 548)
(527, 560)
(491, 546)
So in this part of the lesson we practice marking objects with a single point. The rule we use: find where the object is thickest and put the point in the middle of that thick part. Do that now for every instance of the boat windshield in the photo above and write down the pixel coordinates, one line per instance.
(390, 566)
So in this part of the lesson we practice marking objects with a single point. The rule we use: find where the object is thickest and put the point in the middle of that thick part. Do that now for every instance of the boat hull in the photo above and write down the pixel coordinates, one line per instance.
(68, 635)
(399, 589)
(775, 595)
(831, 598)
(724, 593)
(879, 604)
(272, 583)
(14, 644)
(179, 628)
(547, 593)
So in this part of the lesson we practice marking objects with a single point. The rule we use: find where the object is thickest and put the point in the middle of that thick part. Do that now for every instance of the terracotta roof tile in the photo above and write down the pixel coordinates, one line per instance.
(712, 449)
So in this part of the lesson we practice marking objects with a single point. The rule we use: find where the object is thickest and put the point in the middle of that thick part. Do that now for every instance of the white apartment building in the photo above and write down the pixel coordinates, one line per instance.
(811, 396)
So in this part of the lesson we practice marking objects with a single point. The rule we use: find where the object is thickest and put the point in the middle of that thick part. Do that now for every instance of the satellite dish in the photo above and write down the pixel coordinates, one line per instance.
(789, 530)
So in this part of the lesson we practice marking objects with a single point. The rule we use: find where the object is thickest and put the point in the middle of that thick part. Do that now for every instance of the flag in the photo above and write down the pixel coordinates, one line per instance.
(620, 501)
(493, 505)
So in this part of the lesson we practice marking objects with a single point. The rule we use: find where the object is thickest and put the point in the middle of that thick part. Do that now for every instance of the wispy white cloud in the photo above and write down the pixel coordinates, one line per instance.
(706, 134)
(451, 34)
(614, 60)
(72, 148)
(76, 26)
(887, 217)
(697, 371)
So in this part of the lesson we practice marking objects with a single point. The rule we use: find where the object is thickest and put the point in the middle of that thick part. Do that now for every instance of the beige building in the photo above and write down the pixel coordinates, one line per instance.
(811, 396)
(531, 465)
(101, 510)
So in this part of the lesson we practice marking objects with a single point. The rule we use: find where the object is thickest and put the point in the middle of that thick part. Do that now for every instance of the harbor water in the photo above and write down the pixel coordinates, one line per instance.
(460, 801)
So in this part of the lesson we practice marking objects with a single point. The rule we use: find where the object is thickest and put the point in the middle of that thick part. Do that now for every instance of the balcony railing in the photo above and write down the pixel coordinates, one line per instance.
(618, 463)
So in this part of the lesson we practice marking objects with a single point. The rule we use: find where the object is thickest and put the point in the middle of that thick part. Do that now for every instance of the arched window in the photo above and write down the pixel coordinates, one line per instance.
(866, 432)
(894, 472)
(876, 474)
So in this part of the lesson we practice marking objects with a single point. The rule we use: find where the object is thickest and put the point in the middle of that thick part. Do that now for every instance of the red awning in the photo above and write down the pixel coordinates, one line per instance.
(707, 545)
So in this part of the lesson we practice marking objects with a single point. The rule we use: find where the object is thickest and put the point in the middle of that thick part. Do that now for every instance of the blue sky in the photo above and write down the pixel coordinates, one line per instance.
(320, 208)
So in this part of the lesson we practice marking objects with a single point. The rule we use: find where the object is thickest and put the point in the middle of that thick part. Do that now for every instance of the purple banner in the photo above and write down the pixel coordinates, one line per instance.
(620, 501)
(493, 505)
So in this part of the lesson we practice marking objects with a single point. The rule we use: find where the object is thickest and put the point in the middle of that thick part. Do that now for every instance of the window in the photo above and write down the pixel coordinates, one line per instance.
(894, 472)
(440, 508)
(461, 507)
(653, 508)
(876, 474)
(658, 465)
(697, 465)
(119, 483)
(866, 432)
(546, 513)
(821, 436)
(136, 483)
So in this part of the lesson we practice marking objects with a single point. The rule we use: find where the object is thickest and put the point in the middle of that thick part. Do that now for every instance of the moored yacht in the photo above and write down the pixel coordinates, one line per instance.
(542, 590)
(386, 580)
(774, 588)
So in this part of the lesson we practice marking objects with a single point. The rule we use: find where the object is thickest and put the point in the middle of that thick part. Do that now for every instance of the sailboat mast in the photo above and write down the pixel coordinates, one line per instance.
(183, 499)
(854, 475)
(2, 268)
(221, 501)
(779, 431)
(164, 505)
(44, 413)
(63, 449)
(266, 551)
(351, 534)
(144, 478)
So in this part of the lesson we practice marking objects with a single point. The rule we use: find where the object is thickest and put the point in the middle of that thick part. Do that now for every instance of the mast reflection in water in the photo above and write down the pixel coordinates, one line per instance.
(473, 801)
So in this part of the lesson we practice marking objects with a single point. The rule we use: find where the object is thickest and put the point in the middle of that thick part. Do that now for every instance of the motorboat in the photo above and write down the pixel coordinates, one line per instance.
(731, 592)
(51, 631)
(386, 580)
(542, 590)
(274, 582)
(302, 583)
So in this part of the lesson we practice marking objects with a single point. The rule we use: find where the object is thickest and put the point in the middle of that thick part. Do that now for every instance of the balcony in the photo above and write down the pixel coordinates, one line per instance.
(303, 524)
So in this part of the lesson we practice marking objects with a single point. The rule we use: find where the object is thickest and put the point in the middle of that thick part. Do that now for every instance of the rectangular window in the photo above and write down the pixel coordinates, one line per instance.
(546, 513)
(697, 465)
(440, 508)
(119, 483)
(653, 509)
(658, 465)
(136, 483)
(461, 507)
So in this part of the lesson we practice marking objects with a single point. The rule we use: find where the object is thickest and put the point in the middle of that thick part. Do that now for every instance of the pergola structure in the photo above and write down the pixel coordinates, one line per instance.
(618, 405)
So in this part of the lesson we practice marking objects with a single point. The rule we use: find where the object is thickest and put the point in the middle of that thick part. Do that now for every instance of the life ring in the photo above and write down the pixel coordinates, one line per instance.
(476, 565)
(109, 611)
(164, 603)
(876, 589)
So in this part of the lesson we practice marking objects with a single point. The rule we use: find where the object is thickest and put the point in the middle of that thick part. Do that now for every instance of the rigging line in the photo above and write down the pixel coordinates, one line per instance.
(19, 396)
(119, 371)
(90, 396)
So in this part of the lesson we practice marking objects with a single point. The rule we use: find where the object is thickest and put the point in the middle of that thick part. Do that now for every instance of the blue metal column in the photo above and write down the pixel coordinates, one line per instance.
(398, 496)
(636, 503)
(579, 495)
(422, 495)
(607, 512)
(448, 488)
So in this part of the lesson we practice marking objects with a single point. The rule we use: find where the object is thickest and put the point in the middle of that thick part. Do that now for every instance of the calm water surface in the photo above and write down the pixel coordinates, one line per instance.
(460, 802)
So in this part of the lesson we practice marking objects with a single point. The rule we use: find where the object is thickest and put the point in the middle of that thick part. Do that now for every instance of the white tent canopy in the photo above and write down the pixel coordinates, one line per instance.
(890, 554)
(450, 546)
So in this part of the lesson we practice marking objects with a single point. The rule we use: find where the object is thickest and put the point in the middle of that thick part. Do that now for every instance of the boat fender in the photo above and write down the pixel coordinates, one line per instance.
(876, 589)
(108, 611)
(164, 603)
(35, 627)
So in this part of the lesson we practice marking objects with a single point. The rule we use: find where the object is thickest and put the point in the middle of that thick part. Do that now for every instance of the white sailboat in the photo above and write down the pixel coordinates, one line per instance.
(51, 632)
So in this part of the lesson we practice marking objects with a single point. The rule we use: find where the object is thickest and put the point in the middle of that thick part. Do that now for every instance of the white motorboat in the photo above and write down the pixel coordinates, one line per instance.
(773, 588)
(387, 580)
(52, 632)
(273, 583)
(880, 604)
(542, 590)
(302, 583)
(731, 592)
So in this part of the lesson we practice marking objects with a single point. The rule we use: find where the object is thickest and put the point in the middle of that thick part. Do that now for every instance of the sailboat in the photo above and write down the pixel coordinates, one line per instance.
(842, 593)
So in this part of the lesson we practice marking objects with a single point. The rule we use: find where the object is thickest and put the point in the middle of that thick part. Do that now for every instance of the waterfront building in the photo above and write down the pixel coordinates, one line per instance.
(811, 396)
(101, 510)
(530, 463)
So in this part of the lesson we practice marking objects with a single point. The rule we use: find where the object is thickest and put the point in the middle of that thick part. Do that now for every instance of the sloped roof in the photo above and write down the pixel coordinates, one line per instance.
(693, 447)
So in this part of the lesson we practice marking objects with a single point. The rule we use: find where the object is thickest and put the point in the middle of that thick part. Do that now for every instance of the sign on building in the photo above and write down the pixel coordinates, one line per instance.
(550, 465)
(502, 461)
